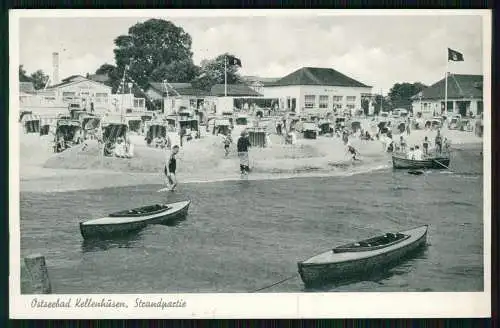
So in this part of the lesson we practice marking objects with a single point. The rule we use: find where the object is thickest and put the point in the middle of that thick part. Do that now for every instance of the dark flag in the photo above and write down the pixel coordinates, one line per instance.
(233, 61)
(454, 55)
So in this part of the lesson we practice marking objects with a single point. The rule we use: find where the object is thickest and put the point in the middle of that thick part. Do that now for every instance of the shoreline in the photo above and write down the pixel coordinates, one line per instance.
(30, 185)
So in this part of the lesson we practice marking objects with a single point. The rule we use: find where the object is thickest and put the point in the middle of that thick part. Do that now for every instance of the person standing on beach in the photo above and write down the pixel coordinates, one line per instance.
(426, 146)
(242, 146)
(170, 168)
(182, 133)
(438, 141)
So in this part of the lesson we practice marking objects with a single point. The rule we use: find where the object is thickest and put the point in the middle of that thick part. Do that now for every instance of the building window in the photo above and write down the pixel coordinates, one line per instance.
(351, 98)
(337, 102)
(139, 102)
(50, 100)
(309, 101)
(323, 101)
(350, 106)
(101, 98)
(68, 96)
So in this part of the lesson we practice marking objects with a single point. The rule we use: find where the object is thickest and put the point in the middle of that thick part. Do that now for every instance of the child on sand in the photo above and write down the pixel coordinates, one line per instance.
(352, 151)
(227, 142)
(402, 143)
(242, 146)
(171, 167)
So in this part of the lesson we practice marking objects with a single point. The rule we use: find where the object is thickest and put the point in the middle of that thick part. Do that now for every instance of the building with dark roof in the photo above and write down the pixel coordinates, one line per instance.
(101, 78)
(315, 88)
(465, 96)
(176, 95)
(234, 90)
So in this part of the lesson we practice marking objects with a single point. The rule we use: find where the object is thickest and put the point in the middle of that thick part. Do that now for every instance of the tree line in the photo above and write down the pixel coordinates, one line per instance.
(157, 50)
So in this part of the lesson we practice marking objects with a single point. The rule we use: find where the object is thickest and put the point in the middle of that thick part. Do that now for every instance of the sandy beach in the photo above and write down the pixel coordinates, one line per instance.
(202, 160)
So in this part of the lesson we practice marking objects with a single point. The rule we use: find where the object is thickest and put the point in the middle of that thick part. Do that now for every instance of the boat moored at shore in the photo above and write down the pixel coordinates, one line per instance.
(361, 257)
(130, 221)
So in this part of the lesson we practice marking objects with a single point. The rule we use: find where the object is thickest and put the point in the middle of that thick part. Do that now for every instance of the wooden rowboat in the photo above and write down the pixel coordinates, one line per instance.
(428, 163)
(129, 221)
(362, 257)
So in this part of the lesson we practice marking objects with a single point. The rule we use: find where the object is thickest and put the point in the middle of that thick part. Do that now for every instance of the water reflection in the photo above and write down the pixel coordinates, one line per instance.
(95, 245)
(173, 222)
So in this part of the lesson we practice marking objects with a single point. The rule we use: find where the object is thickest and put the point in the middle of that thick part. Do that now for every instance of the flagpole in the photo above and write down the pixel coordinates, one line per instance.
(381, 100)
(446, 85)
(225, 76)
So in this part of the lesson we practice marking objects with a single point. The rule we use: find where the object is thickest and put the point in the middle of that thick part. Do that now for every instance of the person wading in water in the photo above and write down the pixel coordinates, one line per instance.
(242, 146)
(171, 167)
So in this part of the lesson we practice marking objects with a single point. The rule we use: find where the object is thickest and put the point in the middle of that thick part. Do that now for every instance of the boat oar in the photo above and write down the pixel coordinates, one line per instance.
(446, 167)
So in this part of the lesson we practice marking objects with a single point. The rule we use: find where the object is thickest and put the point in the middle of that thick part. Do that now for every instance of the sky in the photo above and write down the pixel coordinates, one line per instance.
(376, 50)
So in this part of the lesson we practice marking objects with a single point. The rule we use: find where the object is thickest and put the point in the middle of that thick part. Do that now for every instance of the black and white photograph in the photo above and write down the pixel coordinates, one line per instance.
(196, 163)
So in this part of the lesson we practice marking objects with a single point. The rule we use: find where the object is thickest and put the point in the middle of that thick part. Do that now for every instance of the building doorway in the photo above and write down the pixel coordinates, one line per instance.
(294, 104)
(479, 107)
(463, 107)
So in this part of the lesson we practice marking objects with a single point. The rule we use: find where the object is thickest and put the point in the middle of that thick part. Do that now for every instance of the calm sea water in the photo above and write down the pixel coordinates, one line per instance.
(243, 235)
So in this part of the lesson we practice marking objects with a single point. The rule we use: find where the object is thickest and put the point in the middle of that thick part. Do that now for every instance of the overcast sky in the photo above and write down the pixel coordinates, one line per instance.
(376, 50)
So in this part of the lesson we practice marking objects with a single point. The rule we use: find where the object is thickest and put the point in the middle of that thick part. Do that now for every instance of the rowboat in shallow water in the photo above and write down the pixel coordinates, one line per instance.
(399, 162)
(129, 221)
(363, 257)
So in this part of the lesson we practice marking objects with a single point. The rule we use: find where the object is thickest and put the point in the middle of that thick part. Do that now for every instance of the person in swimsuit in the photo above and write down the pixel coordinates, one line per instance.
(426, 146)
(438, 141)
(170, 168)
(402, 144)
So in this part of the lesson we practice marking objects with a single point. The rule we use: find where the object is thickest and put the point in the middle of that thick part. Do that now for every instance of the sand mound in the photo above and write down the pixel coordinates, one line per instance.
(207, 155)
(34, 149)
(145, 160)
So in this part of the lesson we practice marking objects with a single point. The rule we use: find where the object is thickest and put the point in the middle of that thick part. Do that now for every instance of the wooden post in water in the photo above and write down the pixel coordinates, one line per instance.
(37, 270)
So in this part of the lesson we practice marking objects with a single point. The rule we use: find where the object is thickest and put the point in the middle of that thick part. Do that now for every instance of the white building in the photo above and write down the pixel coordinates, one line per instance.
(310, 88)
(173, 96)
(465, 96)
(55, 99)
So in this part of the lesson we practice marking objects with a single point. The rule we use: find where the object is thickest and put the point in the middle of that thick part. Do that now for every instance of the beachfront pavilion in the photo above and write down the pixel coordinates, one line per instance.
(172, 96)
(310, 89)
(465, 96)
(75, 89)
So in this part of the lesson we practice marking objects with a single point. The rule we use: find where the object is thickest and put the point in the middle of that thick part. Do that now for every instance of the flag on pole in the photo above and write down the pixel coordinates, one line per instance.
(454, 55)
(233, 61)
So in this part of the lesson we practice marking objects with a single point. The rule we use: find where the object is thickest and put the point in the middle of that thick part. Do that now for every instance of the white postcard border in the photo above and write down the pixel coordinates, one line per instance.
(230, 305)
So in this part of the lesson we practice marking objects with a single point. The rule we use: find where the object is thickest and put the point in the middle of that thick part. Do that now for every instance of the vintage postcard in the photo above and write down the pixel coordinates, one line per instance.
(250, 163)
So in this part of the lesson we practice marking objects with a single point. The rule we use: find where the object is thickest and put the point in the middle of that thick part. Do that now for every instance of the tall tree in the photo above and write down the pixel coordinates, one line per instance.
(155, 44)
(39, 79)
(112, 72)
(401, 93)
(105, 69)
(177, 71)
(211, 72)
(23, 77)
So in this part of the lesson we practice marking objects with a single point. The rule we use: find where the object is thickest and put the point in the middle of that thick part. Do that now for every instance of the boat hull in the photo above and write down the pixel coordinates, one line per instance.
(313, 274)
(431, 163)
(100, 231)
